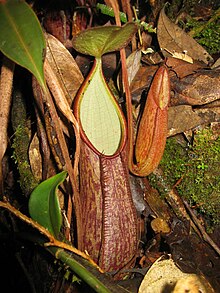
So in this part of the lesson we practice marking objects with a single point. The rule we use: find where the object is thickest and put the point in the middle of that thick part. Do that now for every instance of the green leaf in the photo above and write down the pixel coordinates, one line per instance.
(21, 37)
(44, 205)
(101, 40)
(101, 120)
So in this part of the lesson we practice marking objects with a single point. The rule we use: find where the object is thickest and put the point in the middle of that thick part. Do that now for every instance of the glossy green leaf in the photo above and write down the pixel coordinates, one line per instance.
(100, 117)
(44, 205)
(21, 37)
(97, 41)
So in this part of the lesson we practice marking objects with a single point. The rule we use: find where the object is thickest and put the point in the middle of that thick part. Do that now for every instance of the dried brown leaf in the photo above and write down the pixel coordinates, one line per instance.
(35, 157)
(64, 66)
(173, 39)
(182, 118)
(182, 68)
(160, 225)
(164, 273)
(142, 80)
(200, 88)
(133, 64)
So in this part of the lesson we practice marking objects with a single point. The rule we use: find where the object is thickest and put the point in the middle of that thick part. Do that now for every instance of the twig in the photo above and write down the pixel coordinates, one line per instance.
(6, 81)
(45, 232)
(64, 107)
(205, 236)
(173, 198)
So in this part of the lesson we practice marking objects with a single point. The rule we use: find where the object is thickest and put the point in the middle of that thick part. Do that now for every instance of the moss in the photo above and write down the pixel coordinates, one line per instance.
(206, 34)
(20, 155)
(197, 168)
(21, 140)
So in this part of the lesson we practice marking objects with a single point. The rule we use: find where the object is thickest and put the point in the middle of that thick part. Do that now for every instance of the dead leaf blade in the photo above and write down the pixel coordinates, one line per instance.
(173, 39)
(64, 66)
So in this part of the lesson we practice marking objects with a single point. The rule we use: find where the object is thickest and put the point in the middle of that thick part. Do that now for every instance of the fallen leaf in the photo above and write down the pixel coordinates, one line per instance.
(64, 66)
(200, 88)
(142, 81)
(133, 64)
(159, 225)
(216, 64)
(173, 39)
(209, 115)
(181, 118)
(182, 68)
(35, 157)
(165, 275)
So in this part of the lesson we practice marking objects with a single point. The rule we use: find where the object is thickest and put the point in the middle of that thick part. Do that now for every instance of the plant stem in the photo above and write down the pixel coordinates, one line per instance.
(81, 267)
(123, 18)
(80, 270)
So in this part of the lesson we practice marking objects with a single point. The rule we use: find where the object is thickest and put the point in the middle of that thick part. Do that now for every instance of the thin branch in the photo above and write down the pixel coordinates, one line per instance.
(205, 236)
(6, 81)
(127, 91)
(173, 198)
(52, 241)
(62, 104)
(64, 107)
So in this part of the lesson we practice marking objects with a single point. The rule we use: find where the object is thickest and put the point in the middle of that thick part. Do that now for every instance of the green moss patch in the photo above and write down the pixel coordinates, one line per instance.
(197, 167)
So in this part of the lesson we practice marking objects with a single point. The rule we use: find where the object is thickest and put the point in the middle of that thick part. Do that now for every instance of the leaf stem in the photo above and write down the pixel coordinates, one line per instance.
(104, 9)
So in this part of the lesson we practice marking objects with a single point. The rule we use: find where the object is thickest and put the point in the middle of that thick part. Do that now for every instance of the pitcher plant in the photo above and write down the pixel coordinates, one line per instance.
(108, 214)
